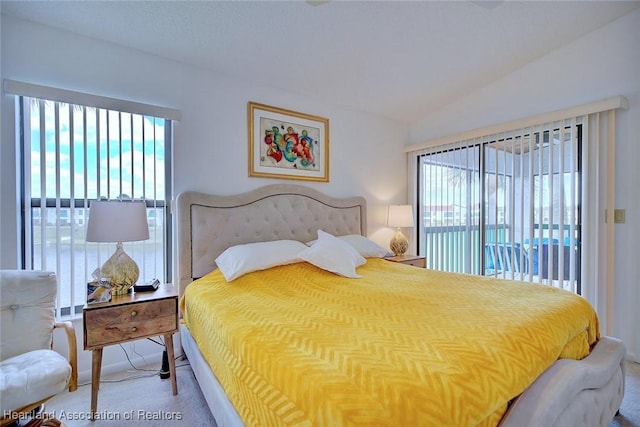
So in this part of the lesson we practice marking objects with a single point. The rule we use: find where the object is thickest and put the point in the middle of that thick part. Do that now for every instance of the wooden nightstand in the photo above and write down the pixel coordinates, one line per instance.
(127, 318)
(415, 260)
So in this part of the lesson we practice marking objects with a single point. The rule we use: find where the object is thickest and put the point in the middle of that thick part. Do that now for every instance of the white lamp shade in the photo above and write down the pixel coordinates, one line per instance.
(400, 216)
(117, 221)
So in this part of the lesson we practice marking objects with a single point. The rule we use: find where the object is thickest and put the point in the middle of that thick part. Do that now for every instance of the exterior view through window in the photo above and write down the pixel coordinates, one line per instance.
(506, 207)
(73, 154)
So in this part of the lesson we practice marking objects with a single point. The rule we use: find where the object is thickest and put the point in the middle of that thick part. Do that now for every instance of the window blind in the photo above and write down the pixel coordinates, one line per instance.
(505, 205)
(568, 156)
(73, 154)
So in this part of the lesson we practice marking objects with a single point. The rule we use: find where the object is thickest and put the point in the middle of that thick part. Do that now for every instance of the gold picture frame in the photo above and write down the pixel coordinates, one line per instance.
(287, 144)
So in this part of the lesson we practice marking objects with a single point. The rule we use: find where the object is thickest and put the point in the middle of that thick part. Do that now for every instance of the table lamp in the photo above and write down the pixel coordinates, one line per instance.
(118, 221)
(399, 216)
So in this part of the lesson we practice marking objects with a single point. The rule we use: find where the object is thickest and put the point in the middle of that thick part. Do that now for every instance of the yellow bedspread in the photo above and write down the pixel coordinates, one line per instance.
(295, 345)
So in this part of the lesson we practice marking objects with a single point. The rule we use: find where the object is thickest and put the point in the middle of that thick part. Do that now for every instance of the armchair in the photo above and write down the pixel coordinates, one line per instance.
(30, 371)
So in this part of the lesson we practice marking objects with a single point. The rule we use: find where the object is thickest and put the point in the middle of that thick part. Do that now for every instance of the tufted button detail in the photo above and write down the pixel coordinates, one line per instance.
(283, 216)
(14, 306)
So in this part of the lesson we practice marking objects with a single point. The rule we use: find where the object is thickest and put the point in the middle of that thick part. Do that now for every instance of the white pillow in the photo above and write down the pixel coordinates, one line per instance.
(365, 247)
(334, 255)
(242, 259)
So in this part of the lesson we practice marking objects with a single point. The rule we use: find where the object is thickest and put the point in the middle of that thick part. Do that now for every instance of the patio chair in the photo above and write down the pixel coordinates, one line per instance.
(505, 257)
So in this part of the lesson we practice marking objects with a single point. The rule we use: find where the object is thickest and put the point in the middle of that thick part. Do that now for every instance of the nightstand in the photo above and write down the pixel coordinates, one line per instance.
(415, 260)
(126, 318)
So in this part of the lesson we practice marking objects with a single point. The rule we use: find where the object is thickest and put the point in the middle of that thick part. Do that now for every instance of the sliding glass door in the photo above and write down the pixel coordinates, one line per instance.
(449, 209)
(506, 206)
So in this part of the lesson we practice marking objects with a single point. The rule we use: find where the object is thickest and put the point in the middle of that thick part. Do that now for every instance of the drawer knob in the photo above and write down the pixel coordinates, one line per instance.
(134, 313)
(134, 329)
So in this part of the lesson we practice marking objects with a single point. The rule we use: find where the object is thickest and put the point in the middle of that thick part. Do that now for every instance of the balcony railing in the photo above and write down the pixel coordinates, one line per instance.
(457, 249)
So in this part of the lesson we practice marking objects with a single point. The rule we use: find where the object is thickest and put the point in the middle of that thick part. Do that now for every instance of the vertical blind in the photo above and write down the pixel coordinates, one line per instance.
(73, 154)
(505, 204)
(554, 179)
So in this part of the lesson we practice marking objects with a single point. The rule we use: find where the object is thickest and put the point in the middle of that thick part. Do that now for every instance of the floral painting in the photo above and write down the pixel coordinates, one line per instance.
(287, 144)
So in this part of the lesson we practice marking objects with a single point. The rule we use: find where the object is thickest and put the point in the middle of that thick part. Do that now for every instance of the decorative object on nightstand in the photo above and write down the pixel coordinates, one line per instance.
(399, 216)
(126, 318)
(118, 221)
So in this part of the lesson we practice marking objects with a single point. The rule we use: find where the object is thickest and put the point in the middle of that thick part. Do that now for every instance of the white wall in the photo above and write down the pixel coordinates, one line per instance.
(210, 142)
(211, 148)
(601, 64)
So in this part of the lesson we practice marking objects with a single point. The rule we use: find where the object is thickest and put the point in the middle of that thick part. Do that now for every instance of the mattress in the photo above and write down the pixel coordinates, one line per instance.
(296, 345)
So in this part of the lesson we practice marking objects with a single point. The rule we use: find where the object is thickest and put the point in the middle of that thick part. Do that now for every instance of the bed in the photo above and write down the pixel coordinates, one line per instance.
(585, 388)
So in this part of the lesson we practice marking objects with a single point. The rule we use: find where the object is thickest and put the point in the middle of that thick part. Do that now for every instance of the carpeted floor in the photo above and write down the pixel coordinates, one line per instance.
(147, 401)
(136, 398)
(630, 410)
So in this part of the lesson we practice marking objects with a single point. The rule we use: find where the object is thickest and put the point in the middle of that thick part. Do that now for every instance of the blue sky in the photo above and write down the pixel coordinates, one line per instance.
(122, 174)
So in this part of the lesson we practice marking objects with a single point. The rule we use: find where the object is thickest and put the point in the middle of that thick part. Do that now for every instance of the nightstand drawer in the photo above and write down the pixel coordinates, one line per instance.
(414, 260)
(130, 321)
(418, 262)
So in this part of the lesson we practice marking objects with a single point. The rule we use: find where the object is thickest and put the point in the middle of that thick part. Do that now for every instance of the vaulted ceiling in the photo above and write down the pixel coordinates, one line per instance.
(397, 59)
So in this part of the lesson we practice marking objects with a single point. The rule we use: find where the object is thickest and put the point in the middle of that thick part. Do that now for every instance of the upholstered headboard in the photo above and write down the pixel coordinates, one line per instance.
(208, 224)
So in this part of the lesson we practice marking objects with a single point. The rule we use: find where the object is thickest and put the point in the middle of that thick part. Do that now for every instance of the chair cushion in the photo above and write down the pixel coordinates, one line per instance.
(27, 313)
(31, 377)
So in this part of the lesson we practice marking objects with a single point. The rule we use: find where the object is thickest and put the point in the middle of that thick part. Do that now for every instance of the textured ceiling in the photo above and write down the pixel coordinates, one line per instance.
(397, 59)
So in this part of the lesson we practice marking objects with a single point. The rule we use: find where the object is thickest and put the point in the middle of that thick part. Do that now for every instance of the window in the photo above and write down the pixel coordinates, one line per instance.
(73, 154)
(508, 206)
(563, 182)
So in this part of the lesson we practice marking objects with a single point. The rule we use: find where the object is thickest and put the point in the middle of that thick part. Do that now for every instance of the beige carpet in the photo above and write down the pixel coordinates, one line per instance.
(630, 410)
(142, 400)
(147, 401)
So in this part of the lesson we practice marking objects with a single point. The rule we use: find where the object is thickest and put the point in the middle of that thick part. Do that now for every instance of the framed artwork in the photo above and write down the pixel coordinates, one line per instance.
(287, 144)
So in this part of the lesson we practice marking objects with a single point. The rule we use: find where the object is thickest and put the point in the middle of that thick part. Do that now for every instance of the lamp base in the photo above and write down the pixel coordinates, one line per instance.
(121, 271)
(399, 244)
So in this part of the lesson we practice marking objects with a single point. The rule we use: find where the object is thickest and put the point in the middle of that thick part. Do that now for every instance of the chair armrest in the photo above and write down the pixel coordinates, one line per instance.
(73, 352)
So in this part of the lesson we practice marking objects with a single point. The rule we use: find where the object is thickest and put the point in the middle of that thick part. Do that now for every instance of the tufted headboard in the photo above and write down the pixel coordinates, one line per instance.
(208, 224)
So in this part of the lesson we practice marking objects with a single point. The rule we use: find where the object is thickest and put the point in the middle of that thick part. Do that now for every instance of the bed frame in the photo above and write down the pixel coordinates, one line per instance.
(570, 393)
